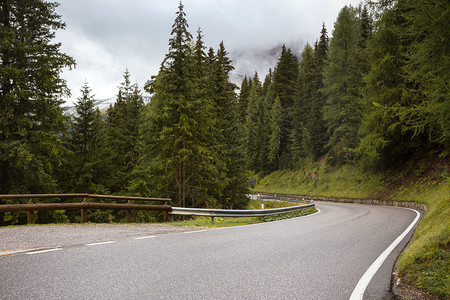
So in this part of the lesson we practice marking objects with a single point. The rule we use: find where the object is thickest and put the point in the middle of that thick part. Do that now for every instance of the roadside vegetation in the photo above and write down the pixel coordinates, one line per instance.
(424, 264)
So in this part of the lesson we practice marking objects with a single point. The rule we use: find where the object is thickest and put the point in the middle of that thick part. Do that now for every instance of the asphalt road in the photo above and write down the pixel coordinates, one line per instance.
(322, 256)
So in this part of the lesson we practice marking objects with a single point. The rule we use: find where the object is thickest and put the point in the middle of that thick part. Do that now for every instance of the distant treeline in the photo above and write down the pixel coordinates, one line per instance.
(374, 93)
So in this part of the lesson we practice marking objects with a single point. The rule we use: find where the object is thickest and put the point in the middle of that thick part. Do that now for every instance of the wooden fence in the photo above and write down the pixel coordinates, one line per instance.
(31, 207)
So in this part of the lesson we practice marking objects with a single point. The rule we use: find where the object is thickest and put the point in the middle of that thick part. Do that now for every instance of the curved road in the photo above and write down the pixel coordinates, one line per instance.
(322, 256)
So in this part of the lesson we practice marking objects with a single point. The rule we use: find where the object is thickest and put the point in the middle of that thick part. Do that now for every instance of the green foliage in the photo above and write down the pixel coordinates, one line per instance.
(192, 136)
(276, 125)
(122, 135)
(343, 80)
(284, 87)
(256, 131)
(82, 171)
(244, 98)
(31, 122)
(427, 69)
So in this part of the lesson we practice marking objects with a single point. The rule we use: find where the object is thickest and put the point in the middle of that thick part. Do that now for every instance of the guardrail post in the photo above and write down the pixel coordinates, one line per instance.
(30, 215)
(84, 213)
(212, 220)
(166, 217)
(128, 216)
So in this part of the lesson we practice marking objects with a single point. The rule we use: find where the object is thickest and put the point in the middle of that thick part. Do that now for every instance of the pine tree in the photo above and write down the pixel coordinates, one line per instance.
(406, 108)
(184, 138)
(343, 80)
(427, 67)
(122, 134)
(244, 98)
(316, 127)
(267, 82)
(231, 134)
(284, 80)
(303, 113)
(85, 143)
(256, 132)
(276, 123)
(31, 91)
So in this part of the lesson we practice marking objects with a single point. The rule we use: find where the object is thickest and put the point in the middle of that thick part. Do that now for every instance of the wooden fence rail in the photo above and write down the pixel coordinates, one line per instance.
(30, 208)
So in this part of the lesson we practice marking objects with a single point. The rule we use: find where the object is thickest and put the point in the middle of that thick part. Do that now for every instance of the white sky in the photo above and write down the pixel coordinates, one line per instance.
(107, 36)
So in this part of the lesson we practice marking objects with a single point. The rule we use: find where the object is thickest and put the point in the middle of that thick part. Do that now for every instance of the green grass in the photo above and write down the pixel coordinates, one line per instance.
(343, 182)
(425, 262)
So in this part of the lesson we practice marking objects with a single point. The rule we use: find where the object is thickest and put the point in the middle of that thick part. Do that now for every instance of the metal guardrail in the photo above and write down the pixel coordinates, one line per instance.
(212, 213)
(31, 207)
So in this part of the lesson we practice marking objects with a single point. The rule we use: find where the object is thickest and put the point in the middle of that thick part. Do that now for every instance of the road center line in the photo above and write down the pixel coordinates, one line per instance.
(195, 231)
(362, 284)
(101, 243)
(43, 251)
(144, 237)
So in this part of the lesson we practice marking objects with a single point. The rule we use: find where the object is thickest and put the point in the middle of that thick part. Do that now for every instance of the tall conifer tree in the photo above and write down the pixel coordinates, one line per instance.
(231, 134)
(122, 134)
(244, 99)
(284, 80)
(343, 80)
(31, 91)
(85, 143)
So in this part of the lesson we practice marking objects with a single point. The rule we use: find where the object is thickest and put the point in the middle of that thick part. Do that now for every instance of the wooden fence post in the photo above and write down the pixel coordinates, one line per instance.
(84, 213)
(30, 215)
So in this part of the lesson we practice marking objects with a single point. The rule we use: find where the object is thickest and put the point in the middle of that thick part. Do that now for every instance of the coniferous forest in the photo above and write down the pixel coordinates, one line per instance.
(372, 91)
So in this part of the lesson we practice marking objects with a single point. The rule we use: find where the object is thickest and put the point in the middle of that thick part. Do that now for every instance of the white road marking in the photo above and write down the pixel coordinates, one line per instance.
(43, 251)
(362, 284)
(195, 231)
(101, 243)
(144, 237)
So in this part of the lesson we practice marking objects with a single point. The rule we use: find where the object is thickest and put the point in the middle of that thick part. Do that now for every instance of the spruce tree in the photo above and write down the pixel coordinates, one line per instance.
(31, 91)
(343, 80)
(244, 99)
(256, 136)
(267, 82)
(316, 127)
(85, 142)
(276, 123)
(284, 80)
(304, 111)
(184, 133)
(406, 108)
(427, 67)
(231, 134)
(122, 134)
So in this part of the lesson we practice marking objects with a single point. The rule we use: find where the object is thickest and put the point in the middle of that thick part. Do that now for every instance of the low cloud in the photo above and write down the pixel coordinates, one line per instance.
(106, 37)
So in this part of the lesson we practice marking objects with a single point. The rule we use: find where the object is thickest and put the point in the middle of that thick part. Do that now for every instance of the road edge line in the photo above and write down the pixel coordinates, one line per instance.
(364, 281)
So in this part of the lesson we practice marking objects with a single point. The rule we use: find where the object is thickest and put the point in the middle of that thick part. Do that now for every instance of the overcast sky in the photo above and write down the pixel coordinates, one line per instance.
(107, 36)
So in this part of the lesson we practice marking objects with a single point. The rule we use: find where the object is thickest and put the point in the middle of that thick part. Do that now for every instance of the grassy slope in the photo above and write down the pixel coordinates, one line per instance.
(424, 263)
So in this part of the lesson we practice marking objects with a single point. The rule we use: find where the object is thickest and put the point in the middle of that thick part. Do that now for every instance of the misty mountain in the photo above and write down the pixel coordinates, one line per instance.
(247, 61)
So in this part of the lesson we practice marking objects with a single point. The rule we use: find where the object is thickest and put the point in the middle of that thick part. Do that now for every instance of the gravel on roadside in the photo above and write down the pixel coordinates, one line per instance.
(47, 236)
